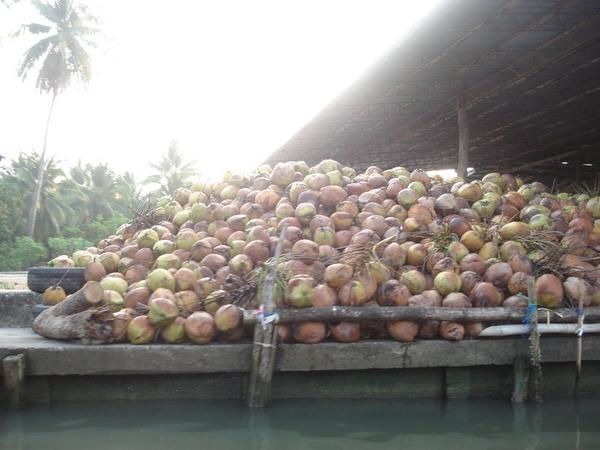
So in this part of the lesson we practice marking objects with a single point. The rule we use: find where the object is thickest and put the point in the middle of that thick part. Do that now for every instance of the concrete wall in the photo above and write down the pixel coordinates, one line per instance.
(15, 307)
(435, 383)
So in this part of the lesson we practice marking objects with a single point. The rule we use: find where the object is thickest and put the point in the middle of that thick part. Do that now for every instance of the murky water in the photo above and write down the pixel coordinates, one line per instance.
(307, 424)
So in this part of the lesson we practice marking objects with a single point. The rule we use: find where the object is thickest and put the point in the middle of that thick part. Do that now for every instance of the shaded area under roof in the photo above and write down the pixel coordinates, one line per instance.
(530, 70)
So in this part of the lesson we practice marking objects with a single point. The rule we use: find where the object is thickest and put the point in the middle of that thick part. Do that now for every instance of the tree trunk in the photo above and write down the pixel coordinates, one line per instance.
(35, 196)
(76, 317)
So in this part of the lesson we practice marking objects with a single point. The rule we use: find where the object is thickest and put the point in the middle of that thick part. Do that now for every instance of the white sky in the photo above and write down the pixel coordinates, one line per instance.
(230, 80)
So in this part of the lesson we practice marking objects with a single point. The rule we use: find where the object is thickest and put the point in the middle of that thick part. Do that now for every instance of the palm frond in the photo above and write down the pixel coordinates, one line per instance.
(46, 10)
(33, 55)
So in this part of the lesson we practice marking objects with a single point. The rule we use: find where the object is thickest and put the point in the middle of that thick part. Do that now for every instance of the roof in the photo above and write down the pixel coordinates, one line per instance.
(530, 73)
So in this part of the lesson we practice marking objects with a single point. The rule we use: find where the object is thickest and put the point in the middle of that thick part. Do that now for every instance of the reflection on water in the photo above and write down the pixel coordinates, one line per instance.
(307, 424)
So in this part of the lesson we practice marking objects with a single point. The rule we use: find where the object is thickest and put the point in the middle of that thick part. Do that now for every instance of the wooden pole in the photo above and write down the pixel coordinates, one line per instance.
(383, 313)
(535, 352)
(520, 379)
(14, 378)
(580, 317)
(463, 133)
(264, 346)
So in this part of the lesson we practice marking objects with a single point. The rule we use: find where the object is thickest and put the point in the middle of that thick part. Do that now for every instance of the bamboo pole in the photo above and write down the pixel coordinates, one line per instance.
(13, 368)
(463, 134)
(535, 353)
(264, 346)
(381, 313)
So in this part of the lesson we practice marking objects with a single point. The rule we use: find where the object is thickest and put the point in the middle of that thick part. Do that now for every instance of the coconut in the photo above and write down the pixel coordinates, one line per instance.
(447, 282)
(160, 278)
(200, 327)
(167, 261)
(593, 207)
(162, 293)
(473, 329)
(485, 294)
(309, 332)
(162, 312)
(324, 236)
(82, 258)
(414, 280)
(513, 229)
(402, 330)
(114, 284)
(258, 252)
(185, 279)
(147, 238)
(136, 273)
(416, 254)
(113, 299)
(452, 331)
(110, 261)
(518, 283)
(429, 329)
(337, 275)
(94, 271)
(472, 240)
(174, 333)
(548, 291)
(515, 301)
(509, 249)
(345, 331)
(457, 251)
(53, 295)
(488, 251)
(228, 318)
(324, 296)
(498, 274)
(187, 301)
(577, 289)
(120, 323)
(393, 293)
(135, 296)
(352, 293)
(469, 280)
(332, 195)
(520, 263)
(140, 330)
(306, 251)
(456, 300)
(473, 263)
(444, 265)
(299, 292)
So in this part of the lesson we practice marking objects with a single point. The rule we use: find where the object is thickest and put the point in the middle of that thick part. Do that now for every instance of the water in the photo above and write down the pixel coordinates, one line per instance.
(307, 424)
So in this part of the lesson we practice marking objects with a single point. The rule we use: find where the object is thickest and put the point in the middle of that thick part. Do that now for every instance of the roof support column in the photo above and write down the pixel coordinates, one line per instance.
(463, 133)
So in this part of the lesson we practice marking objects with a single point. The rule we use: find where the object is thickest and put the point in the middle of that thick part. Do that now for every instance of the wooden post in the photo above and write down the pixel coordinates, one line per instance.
(264, 345)
(520, 380)
(579, 339)
(463, 134)
(14, 377)
(535, 353)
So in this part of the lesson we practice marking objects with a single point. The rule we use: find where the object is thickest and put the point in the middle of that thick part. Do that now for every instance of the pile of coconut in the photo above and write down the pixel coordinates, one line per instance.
(185, 267)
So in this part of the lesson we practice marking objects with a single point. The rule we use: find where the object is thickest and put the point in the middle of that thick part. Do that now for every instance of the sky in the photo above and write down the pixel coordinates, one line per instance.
(231, 81)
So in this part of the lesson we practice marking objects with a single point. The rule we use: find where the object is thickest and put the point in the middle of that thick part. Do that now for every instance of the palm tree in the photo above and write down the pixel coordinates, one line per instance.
(62, 56)
(54, 212)
(173, 171)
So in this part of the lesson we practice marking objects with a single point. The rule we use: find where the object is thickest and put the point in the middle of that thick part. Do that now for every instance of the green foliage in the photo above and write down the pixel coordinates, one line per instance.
(98, 229)
(12, 221)
(53, 210)
(24, 252)
(66, 246)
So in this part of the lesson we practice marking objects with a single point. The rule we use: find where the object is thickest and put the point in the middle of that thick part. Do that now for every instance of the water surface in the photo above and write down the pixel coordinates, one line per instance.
(305, 424)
